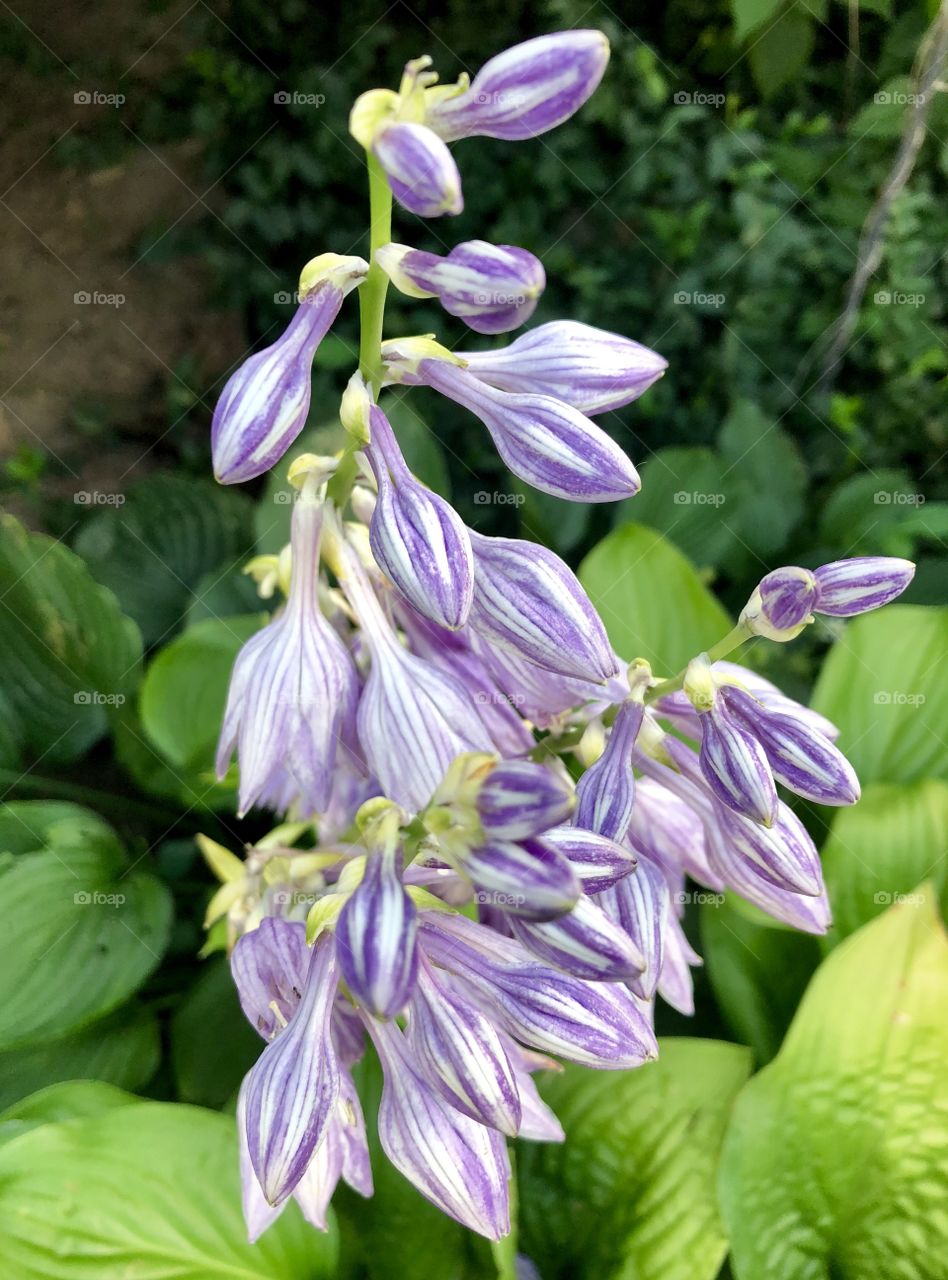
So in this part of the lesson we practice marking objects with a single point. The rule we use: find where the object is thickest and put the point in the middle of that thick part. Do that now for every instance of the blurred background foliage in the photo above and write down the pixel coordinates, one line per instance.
(708, 202)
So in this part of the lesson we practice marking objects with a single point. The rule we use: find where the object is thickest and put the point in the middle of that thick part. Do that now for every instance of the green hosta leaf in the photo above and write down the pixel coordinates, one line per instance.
(553, 521)
(183, 698)
(883, 685)
(66, 1101)
(767, 473)
(28, 825)
(70, 656)
(758, 971)
(687, 494)
(154, 550)
(83, 930)
(879, 850)
(650, 598)
(631, 1193)
(836, 1159)
(212, 1044)
(122, 1050)
(149, 1190)
(419, 444)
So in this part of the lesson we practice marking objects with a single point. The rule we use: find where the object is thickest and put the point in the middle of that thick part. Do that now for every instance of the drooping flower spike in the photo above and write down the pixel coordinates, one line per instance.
(786, 599)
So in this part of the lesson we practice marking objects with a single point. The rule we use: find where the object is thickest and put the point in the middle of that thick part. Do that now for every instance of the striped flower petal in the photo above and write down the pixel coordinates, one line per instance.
(420, 169)
(847, 587)
(735, 766)
(458, 1164)
(528, 600)
(520, 799)
(641, 905)
(606, 791)
(292, 1089)
(529, 878)
(584, 942)
(269, 966)
(598, 861)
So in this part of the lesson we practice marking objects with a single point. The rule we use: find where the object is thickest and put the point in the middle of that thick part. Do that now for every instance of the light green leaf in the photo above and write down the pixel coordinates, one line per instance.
(650, 598)
(881, 848)
(836, 1160)
(883, 685)
(70, 656)
(748, 14)
(781, 52)
(149, 1190)
(631, 1193)
(122, 1050)
(83, 930)
(184, 694)
(212, 1043)
(758, 971)
(172, 531)
(67, 1101)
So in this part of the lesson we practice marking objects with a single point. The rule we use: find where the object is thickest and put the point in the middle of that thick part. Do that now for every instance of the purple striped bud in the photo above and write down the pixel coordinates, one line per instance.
(293, 690)
(782, 605)
(417, 538)
(292, 1089)
(269, 967)
(805, 911)
(529, 878)
(848, 587)
(590, 369)
(640, 905)
(264, 404)
(585, 943)
(420, 169)
(524, 91)
(458, 1164)
(376, 937)
(598, 861)
(800, 757)
(528, 600)
(595, 1024)
(462, 1054)
(782, 855)
(606, 791)
(675, 985)
(519, 799)
(736, 767)
(493, 288)
(545, 442)
(666, 830)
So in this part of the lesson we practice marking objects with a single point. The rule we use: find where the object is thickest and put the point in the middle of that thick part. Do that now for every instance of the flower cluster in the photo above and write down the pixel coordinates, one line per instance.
(419, 706)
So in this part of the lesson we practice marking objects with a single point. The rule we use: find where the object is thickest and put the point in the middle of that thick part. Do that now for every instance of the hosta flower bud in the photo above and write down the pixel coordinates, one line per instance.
(518, 799)
(528, 600)
(264, 404)
(530, 878)
(606, 792)
(376, 937)
(545, 442)
(491, 287)
(782, 604)
(525, 90)
(417, 538)
(420, 169)
(848, 587)
(585, 943)
(590, 369)
(598, 861)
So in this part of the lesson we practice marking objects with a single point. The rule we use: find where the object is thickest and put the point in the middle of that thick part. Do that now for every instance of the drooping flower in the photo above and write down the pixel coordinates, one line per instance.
(376, 935)
(264, 404)
(542, 440)
(417, 538)
(587, 368)
(524, 91)
(786, 599)
(420, 169)
(493, 288)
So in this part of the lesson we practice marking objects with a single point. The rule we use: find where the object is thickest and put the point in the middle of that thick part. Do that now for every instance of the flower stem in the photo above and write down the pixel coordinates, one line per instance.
(727, 644)
(371, 317)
